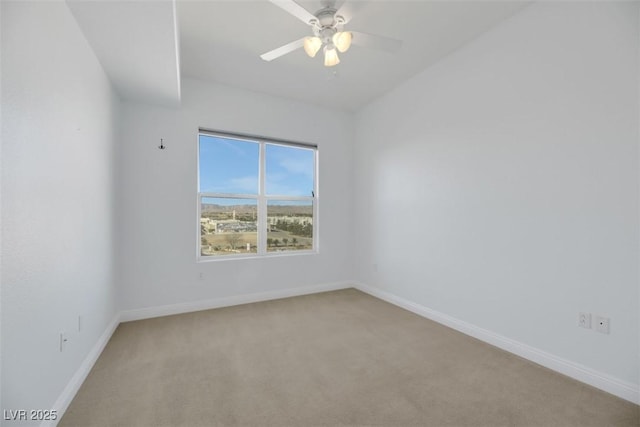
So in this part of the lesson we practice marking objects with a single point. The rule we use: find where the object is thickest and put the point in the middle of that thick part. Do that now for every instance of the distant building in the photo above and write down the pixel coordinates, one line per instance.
(218, 226)
(304, 220)
(214, 226)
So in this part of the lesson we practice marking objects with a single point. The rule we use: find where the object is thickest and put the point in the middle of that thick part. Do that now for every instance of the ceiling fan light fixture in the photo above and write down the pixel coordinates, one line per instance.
(342, 40)
(312, 45)
(330, 56)
(327, 26)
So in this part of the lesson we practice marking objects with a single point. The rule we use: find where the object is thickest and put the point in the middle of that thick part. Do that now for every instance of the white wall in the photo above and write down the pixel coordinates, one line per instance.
(59, 134)
(500, 186)
(159, 202)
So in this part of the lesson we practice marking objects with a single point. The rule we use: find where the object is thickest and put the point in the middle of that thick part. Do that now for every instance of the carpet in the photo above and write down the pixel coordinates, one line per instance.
(340, 358)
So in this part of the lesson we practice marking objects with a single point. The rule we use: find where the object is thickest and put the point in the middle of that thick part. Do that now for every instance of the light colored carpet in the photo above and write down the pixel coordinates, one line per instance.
(336, 358)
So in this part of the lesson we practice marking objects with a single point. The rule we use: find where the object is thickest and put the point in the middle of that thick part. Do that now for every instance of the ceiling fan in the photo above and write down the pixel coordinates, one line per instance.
(327, 25)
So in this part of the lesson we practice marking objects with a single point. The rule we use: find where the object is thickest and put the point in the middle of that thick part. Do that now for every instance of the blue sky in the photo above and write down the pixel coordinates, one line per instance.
(231, 166)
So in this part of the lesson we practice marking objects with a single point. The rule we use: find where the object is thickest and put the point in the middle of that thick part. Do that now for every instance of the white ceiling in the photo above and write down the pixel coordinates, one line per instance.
(221, 41)
(136, 43)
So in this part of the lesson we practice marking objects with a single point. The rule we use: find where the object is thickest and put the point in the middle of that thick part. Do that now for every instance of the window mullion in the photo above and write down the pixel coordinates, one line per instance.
(262, 204)
(292, 198)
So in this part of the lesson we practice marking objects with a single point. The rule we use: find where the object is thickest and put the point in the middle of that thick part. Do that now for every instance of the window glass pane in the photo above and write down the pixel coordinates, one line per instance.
(289, 170)
(228, 226)
(290, 225)
(228, 165)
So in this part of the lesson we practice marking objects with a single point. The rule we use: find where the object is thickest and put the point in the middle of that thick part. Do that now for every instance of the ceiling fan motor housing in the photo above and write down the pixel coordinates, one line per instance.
(327, 23)
(326, 17)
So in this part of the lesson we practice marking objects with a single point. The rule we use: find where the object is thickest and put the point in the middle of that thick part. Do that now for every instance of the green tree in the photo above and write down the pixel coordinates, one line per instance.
(285, 241)
(269, 241)
(294, 241)
(276, 242)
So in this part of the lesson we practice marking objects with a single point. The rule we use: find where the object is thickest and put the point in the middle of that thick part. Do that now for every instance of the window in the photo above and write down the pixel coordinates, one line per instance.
(256, 196)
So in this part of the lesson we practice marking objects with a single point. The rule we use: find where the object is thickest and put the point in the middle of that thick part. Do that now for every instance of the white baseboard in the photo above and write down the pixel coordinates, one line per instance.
(69, 392)
(615, 386)
(187, 307)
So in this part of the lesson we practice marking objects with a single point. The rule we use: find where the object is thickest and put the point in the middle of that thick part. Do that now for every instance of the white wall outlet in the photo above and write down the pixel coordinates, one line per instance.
(602, 324)
(584, 320)
(63, 341)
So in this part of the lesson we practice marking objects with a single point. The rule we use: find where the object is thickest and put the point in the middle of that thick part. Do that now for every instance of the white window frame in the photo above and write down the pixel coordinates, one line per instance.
(261, 198)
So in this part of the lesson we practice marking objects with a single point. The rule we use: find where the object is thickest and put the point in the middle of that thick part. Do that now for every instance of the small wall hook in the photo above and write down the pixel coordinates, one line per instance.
(161, 146)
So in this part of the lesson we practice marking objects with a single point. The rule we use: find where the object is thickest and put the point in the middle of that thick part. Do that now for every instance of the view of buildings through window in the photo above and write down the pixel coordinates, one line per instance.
(255, 196)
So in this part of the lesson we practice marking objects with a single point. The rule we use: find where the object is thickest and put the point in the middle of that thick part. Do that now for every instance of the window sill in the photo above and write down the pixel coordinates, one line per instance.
(283, 254)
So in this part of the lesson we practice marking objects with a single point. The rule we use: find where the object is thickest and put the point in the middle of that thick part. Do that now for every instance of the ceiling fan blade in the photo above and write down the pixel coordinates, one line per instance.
(295, 9)
(282, 50)
(347, 9)
(376, 42)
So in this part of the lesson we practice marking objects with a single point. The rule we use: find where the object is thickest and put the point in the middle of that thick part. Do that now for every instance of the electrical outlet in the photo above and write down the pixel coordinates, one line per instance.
(584, 320)
(602, 324)
(63, 341)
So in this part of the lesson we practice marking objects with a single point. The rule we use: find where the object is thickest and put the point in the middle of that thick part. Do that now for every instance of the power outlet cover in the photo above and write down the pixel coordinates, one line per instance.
(584, 320)
(602, 324)
(63, 341)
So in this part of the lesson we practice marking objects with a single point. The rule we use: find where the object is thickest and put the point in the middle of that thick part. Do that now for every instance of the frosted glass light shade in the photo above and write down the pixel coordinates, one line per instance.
(312, 45)
(330, 57)
(342, 40)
